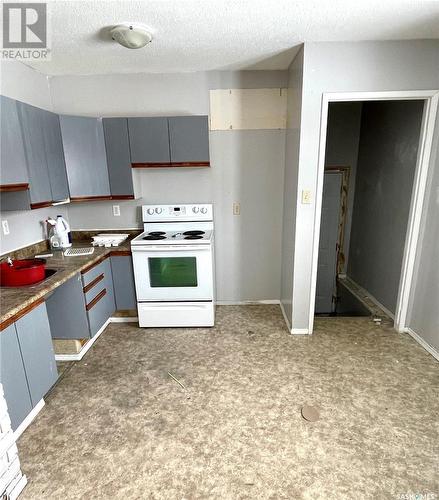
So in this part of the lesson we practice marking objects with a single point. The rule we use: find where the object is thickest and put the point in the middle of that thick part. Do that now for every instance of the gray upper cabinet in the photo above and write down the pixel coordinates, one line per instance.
(68, 322)
(149, 140)
(32, 124)
(36, 347)
(189, 139)
(55, 156)
(13, 159)
(13, 377)
(118, 156)
(123, 279)
(85, 157)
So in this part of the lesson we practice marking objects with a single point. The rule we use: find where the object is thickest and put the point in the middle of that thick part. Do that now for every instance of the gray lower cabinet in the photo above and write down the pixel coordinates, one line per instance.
(27, 363)
(149, 140)
(123, 280)
(13, 159)
(55, 156)
(33, 331)
(85, 157)
(66, 311)
(117, 147)
(13, 377)
(32, 123)
(99, 297)
(189, 139)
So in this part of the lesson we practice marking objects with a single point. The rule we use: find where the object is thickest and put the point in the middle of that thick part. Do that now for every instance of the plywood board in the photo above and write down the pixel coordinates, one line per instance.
(248, 109)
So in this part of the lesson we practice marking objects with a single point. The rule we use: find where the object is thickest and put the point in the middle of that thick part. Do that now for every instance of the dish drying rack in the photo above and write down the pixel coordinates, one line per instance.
(108, 239)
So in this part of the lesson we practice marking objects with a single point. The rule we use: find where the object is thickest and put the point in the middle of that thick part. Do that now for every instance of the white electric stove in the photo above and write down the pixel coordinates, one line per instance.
(174, 266)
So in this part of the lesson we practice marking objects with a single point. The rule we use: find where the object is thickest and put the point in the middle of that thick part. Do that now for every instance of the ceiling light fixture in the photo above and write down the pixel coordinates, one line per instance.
(130, 35)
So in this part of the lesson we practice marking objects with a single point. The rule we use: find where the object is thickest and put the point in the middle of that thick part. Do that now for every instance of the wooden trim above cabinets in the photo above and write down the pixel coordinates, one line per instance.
(41, 204)
(20, 313)
(94, 301)
(93, 283)
(122, 197)
(79, 199)
(172, 164)
(11, 188)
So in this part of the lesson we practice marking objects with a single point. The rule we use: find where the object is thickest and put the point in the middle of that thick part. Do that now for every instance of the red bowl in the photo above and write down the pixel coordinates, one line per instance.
(22, 272)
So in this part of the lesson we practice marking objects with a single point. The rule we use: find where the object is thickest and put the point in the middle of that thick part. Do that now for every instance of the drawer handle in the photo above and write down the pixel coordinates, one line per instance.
(98, 297)
(93, 283)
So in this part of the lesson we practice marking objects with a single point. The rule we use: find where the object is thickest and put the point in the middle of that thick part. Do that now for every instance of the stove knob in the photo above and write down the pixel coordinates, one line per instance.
(150, 211)
(203, 210)
(158, 210)
(195, 210)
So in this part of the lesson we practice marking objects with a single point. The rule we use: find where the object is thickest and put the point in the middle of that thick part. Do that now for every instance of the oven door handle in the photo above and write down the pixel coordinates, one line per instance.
(166, 248)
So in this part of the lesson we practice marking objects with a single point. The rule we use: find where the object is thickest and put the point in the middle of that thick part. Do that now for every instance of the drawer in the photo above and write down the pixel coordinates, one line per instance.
(99, 282)
(94, 272)
(102, 308)
(101, 304)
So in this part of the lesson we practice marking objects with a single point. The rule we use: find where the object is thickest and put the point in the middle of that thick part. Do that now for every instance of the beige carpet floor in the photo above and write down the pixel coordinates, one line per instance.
(118, 426)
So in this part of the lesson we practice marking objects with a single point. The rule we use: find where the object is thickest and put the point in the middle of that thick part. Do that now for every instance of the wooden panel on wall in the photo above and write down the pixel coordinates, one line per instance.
(248, 109)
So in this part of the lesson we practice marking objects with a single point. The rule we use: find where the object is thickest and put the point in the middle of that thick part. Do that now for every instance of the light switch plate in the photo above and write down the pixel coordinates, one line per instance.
(306, 197)
(236, 209)
(116, 210)
(5, 227)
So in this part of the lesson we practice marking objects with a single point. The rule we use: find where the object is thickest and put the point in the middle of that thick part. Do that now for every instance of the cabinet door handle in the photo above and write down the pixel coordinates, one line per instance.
(93, 283)
(94, 301)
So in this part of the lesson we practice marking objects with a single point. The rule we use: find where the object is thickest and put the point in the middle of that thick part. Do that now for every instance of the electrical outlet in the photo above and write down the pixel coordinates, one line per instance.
(5, 227)
(306, 197)
(116, 210)
(236, 209)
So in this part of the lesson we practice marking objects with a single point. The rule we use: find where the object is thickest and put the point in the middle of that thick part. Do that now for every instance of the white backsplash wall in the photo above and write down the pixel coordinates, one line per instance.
(26, 227)
(247, 167)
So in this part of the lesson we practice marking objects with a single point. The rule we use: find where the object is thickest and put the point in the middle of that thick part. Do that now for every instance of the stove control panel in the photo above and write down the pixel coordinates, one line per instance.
(166, 213)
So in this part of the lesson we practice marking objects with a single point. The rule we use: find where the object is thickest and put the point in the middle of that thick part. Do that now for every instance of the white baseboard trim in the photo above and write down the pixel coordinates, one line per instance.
(28, 420)
(423, 343)
(369, 296)
(246, 302)
(128, 319)
(299, 331)
(284, 314)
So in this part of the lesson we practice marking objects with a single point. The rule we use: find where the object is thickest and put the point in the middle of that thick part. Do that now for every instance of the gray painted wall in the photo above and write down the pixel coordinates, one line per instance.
(342, 140)
(389, 140)
(292, 144)
(24, 84)
(346, 67)
(424, 307)
(247, 167)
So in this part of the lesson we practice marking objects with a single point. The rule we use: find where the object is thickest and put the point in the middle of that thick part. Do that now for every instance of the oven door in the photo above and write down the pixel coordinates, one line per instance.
(166, 273)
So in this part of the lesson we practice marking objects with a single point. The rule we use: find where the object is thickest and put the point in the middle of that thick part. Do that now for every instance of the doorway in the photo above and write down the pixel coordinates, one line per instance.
(369, 239)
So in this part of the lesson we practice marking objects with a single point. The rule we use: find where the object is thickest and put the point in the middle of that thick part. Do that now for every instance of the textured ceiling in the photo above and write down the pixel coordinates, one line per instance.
(202, 35)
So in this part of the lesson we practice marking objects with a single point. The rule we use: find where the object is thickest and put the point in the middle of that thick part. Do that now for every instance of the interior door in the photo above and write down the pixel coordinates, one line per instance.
(327, 263)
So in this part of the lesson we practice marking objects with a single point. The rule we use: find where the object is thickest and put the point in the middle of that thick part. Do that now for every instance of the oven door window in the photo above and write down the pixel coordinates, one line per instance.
(172, 272)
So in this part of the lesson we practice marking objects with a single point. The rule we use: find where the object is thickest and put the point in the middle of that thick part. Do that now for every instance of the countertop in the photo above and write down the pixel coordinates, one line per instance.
(14, 300)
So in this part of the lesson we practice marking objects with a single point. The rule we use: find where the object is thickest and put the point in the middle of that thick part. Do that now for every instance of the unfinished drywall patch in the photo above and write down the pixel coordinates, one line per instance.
(248, 109)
